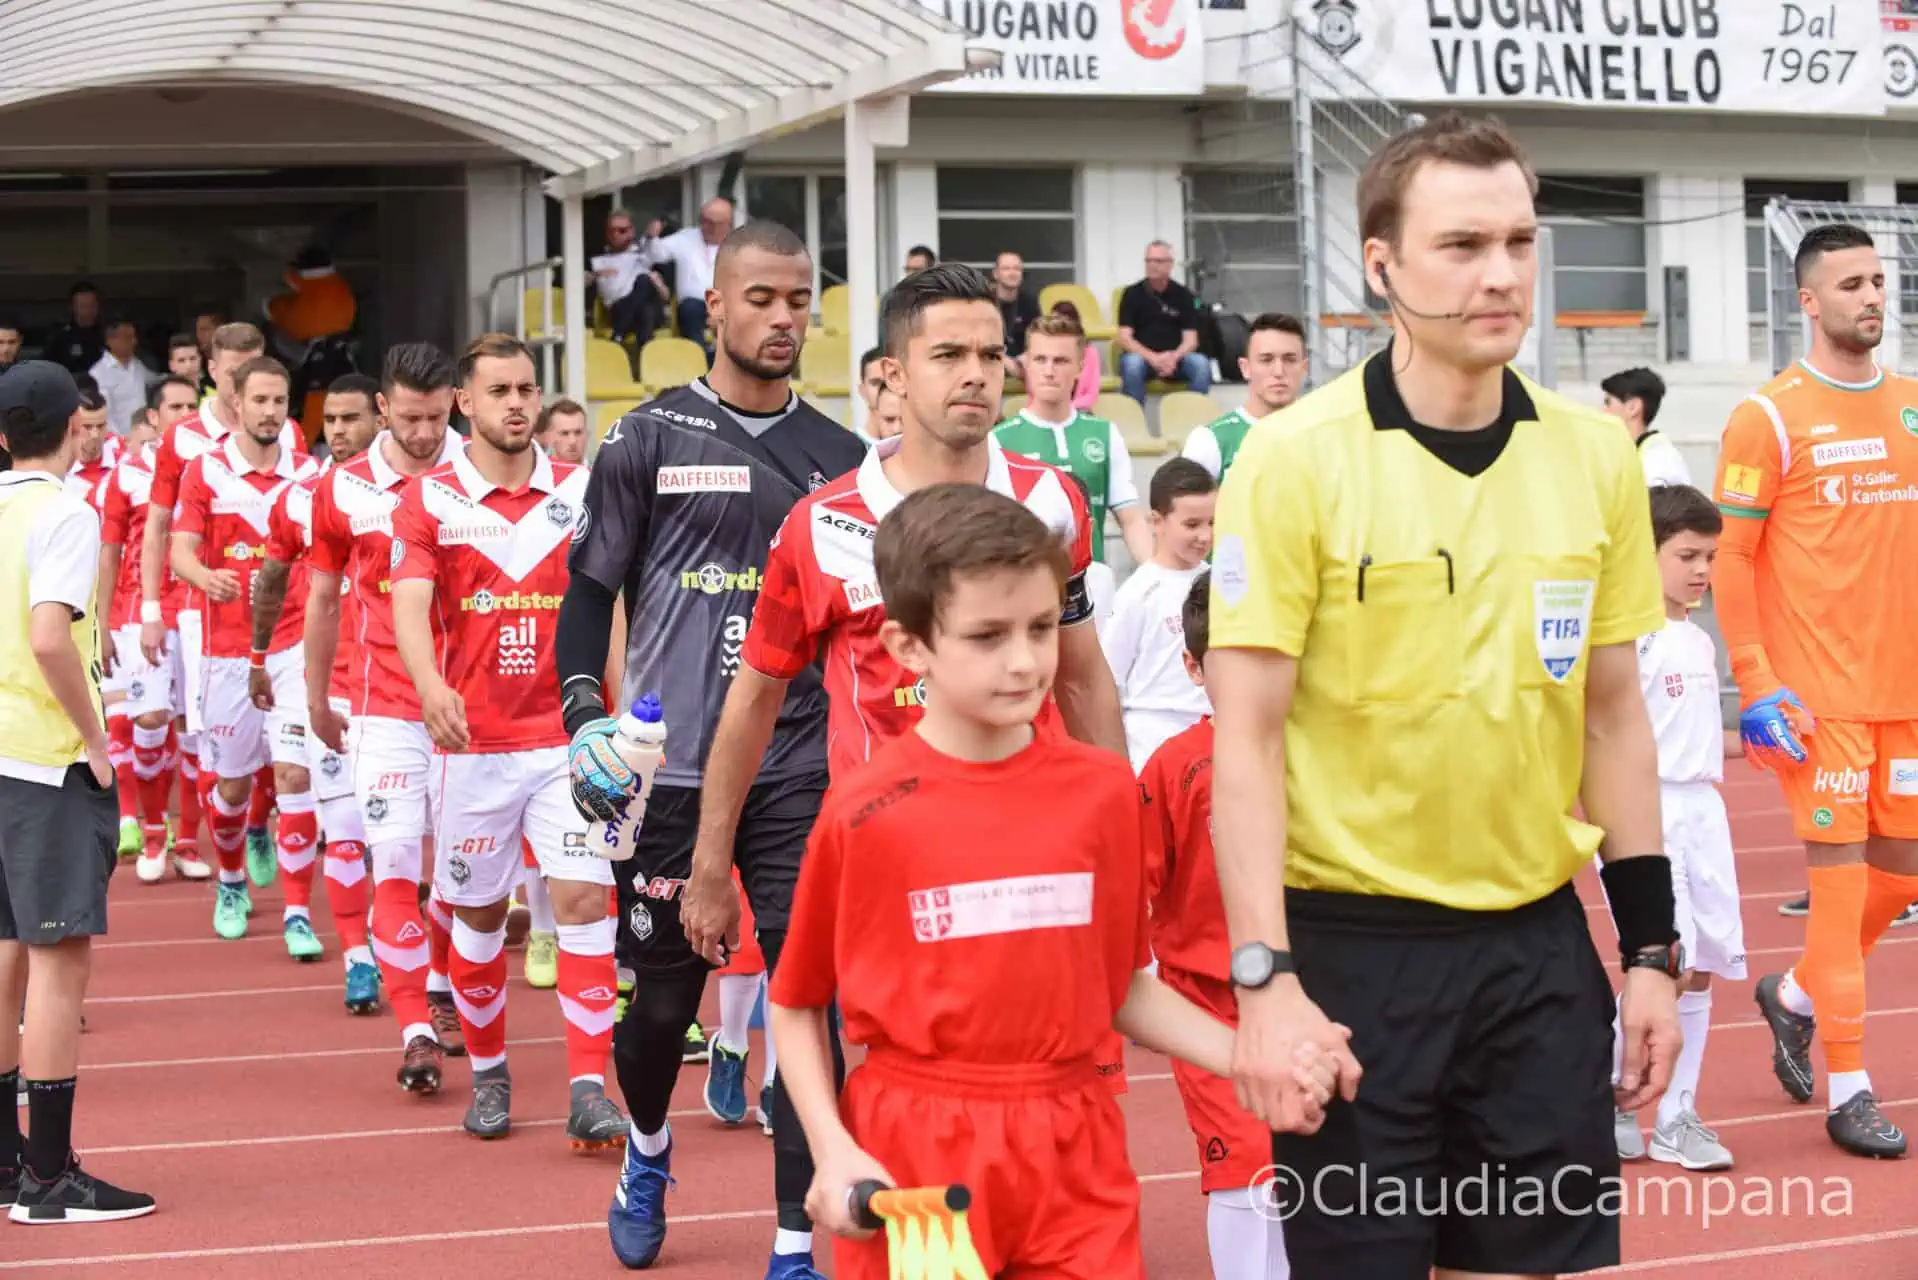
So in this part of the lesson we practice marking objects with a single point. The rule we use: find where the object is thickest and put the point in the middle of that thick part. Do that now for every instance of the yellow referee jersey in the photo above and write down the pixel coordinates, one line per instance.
(1442, 592)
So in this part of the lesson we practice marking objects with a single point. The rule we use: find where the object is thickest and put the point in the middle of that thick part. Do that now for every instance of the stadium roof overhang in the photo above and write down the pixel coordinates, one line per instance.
(601, 93)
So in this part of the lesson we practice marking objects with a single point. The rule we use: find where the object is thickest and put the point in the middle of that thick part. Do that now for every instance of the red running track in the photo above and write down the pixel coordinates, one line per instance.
(228, 1081)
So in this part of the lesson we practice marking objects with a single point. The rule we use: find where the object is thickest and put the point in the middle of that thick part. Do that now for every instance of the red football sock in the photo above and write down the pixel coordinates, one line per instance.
(229, 835)
(120, 755)
(588, 990)
(439, 934)
(191, 801)
(299, 846)
(479, 991)
(399, 944)
(346, 890)
(150, 752)
(260, 805)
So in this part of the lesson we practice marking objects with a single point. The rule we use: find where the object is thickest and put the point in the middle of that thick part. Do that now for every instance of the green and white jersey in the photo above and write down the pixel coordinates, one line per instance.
(1216, 445)
(1088, 447)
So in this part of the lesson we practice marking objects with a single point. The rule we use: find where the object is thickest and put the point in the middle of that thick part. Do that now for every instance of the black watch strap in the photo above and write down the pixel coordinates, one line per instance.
(1669, 959)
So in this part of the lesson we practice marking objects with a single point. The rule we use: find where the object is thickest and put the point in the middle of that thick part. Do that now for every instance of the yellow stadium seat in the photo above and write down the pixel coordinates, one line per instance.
(1181, 411)
(535, 301)
(609, 373)
(1098, 324)
(835, 309)
(825, 364)
(604, 413)
(1123, 412)
(671, 362)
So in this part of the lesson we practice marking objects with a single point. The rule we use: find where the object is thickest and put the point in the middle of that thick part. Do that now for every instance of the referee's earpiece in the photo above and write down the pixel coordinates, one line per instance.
(1385, 278)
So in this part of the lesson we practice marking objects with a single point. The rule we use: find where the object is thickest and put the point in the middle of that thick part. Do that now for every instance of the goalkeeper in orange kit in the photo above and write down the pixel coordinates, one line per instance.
(1818, 480)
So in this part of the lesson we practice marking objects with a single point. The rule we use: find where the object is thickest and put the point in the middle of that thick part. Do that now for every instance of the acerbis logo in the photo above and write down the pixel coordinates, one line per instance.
(845, 524)
(716, 579)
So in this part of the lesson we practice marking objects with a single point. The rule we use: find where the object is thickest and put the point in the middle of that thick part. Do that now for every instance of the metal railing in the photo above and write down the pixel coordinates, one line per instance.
(550, 336)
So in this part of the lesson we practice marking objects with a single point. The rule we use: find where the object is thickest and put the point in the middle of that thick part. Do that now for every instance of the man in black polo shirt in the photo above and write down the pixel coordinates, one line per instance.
(686, 495)
(1159, 330)
(1018, 307)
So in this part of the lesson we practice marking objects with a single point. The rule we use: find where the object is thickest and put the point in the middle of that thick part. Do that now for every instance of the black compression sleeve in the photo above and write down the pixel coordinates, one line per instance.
(585, 634)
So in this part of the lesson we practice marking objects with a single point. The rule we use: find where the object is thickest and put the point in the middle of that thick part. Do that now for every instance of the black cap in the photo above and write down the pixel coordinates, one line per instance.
(44, 389)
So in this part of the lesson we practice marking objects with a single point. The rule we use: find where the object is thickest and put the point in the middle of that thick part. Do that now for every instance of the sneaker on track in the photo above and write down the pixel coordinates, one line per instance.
(625, 987)
(230, 911)
(150, 866)
(1627, 1136)
(362, 988)
(792, 1266)
(189, 865)
(1799, 906)
(1860, 1128)
(636, 1222)
(75, 1196)
(725, 1084)
(445, 1017)
(132, 838)
(1908, 916)
(301, 942)
(541, 965)
(1791, 1037)
(420, 1066)
(1687, 1143)
(764, 1111)
(595, 1122)
(490, 1115)
(262, 864)
(696, 1050)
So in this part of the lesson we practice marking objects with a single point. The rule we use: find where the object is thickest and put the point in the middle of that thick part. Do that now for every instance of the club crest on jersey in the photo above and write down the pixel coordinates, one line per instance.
(460, 870)
(640, 921)
(1094, 451)
(1909, 419)
(375, 808)
(560, 513)
(1561, 618)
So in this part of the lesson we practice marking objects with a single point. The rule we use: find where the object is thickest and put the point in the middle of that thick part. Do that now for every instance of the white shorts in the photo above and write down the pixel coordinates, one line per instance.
(391, 760)
(1698, 839)
(147, 688)
(240, 739)
(332, 770)
(191, 648)
(484, 804)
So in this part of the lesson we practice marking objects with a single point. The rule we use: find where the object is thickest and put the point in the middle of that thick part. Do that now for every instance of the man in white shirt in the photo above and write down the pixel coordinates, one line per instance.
(692, 252)
(121, 376)
(633, 294)
(1633, 396)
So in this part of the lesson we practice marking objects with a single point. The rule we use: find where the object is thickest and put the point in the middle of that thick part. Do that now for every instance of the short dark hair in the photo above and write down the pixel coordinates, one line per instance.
(1277, 322)
(865, 361)
(1178, 478)
(1449, 138)
(1680, 508)
(91, 400)
(1641, 385)
(946, 531)
(10, 325)
(156, 394)
(80, 287)
(1196, 616)
(261, 367)
(114, 324)
(491, 346)
(544, 422)
(922, 251)
(354, 384)
(913, 296)
(417, 366)
(239, 337)
(1829, 238)
(182, 342)
(765, 235)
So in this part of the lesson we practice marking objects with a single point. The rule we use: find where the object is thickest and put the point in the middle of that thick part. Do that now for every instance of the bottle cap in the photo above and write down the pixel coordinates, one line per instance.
(646, 709)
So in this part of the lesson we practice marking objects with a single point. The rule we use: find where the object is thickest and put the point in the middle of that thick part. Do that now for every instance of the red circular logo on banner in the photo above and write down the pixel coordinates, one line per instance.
(1154, 28)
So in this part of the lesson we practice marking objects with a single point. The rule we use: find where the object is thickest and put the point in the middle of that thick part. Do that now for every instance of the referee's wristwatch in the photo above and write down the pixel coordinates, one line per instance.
(1254, 965)
(1668, 959)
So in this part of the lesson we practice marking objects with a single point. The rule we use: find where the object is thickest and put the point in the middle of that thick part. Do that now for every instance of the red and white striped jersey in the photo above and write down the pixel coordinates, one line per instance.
(230, 505)
(190, 437)
(820, 585)
(497, 562)
(123, 524)
(351, 536)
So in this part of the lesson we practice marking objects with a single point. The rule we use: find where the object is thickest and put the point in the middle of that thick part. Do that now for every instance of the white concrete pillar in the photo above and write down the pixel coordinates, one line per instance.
(573, 255)
(1712, 250)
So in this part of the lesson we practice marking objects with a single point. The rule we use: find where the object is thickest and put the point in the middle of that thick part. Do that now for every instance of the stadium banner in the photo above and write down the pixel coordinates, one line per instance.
(1759, 57)
(1104, 48)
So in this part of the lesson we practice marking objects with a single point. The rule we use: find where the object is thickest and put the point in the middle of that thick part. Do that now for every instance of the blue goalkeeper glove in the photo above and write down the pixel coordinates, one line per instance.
(1774, 728)
(602, 783)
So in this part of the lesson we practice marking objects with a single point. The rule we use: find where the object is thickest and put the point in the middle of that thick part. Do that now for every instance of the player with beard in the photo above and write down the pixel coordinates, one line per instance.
(686, 494)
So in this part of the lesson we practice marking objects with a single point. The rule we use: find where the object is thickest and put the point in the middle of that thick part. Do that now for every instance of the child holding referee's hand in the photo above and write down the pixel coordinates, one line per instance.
(975, 898)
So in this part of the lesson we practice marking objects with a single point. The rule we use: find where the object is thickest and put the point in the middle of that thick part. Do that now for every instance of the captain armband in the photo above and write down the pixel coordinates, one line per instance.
(1078, 605)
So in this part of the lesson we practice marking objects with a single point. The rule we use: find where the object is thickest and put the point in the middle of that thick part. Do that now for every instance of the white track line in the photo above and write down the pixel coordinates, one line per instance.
(301, 1055)
(169, 997)
(1757, 1251)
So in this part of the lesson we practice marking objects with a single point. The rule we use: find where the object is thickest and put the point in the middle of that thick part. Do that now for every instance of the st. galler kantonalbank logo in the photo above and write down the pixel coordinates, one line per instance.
(1336, 26)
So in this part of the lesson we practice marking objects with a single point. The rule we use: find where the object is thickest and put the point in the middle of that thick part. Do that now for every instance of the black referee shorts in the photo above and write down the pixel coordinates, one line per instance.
(773, 829)
(1481, 1139)
(58, 848)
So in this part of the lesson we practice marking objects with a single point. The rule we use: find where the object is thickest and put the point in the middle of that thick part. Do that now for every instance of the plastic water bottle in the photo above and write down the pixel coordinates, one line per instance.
(640, 740)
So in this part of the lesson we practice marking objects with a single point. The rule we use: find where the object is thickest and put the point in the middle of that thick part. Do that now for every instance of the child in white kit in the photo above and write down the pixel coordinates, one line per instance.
(1678, 674)
(1145, 640)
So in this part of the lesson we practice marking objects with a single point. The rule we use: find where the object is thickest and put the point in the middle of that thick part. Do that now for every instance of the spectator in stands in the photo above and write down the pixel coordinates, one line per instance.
(1159, 330)
(633, 294)
(1085, 392)
(692, 251)
(1017, 304)
(183, 358)
(872, 379)
(1633, 396)
(205, 321)
(887, 421)
(78, 343)
(919, 257)
(560, 429)
(123, 378)
(10, 339)
(1275, 366)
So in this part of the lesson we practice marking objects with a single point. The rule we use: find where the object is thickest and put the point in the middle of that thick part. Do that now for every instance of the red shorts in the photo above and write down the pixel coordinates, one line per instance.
(1041, 1147)
(1235, 1149)
(746, 959)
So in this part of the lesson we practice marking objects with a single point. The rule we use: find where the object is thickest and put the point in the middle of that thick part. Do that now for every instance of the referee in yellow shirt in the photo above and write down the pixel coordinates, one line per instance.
(59, 812)
(1427, 587)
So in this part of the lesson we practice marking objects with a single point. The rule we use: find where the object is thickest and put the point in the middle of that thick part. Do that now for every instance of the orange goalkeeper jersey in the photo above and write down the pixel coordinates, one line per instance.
(1817, 587)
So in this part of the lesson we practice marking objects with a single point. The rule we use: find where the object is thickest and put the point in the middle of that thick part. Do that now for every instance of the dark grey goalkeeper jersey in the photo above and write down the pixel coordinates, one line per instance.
(685, 497)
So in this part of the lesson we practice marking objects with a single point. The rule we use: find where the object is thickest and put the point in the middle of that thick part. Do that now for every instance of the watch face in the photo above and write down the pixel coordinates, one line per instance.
(1251, 966)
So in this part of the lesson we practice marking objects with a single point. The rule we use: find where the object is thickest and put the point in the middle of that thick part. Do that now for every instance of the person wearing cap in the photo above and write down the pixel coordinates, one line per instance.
(59, 813)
